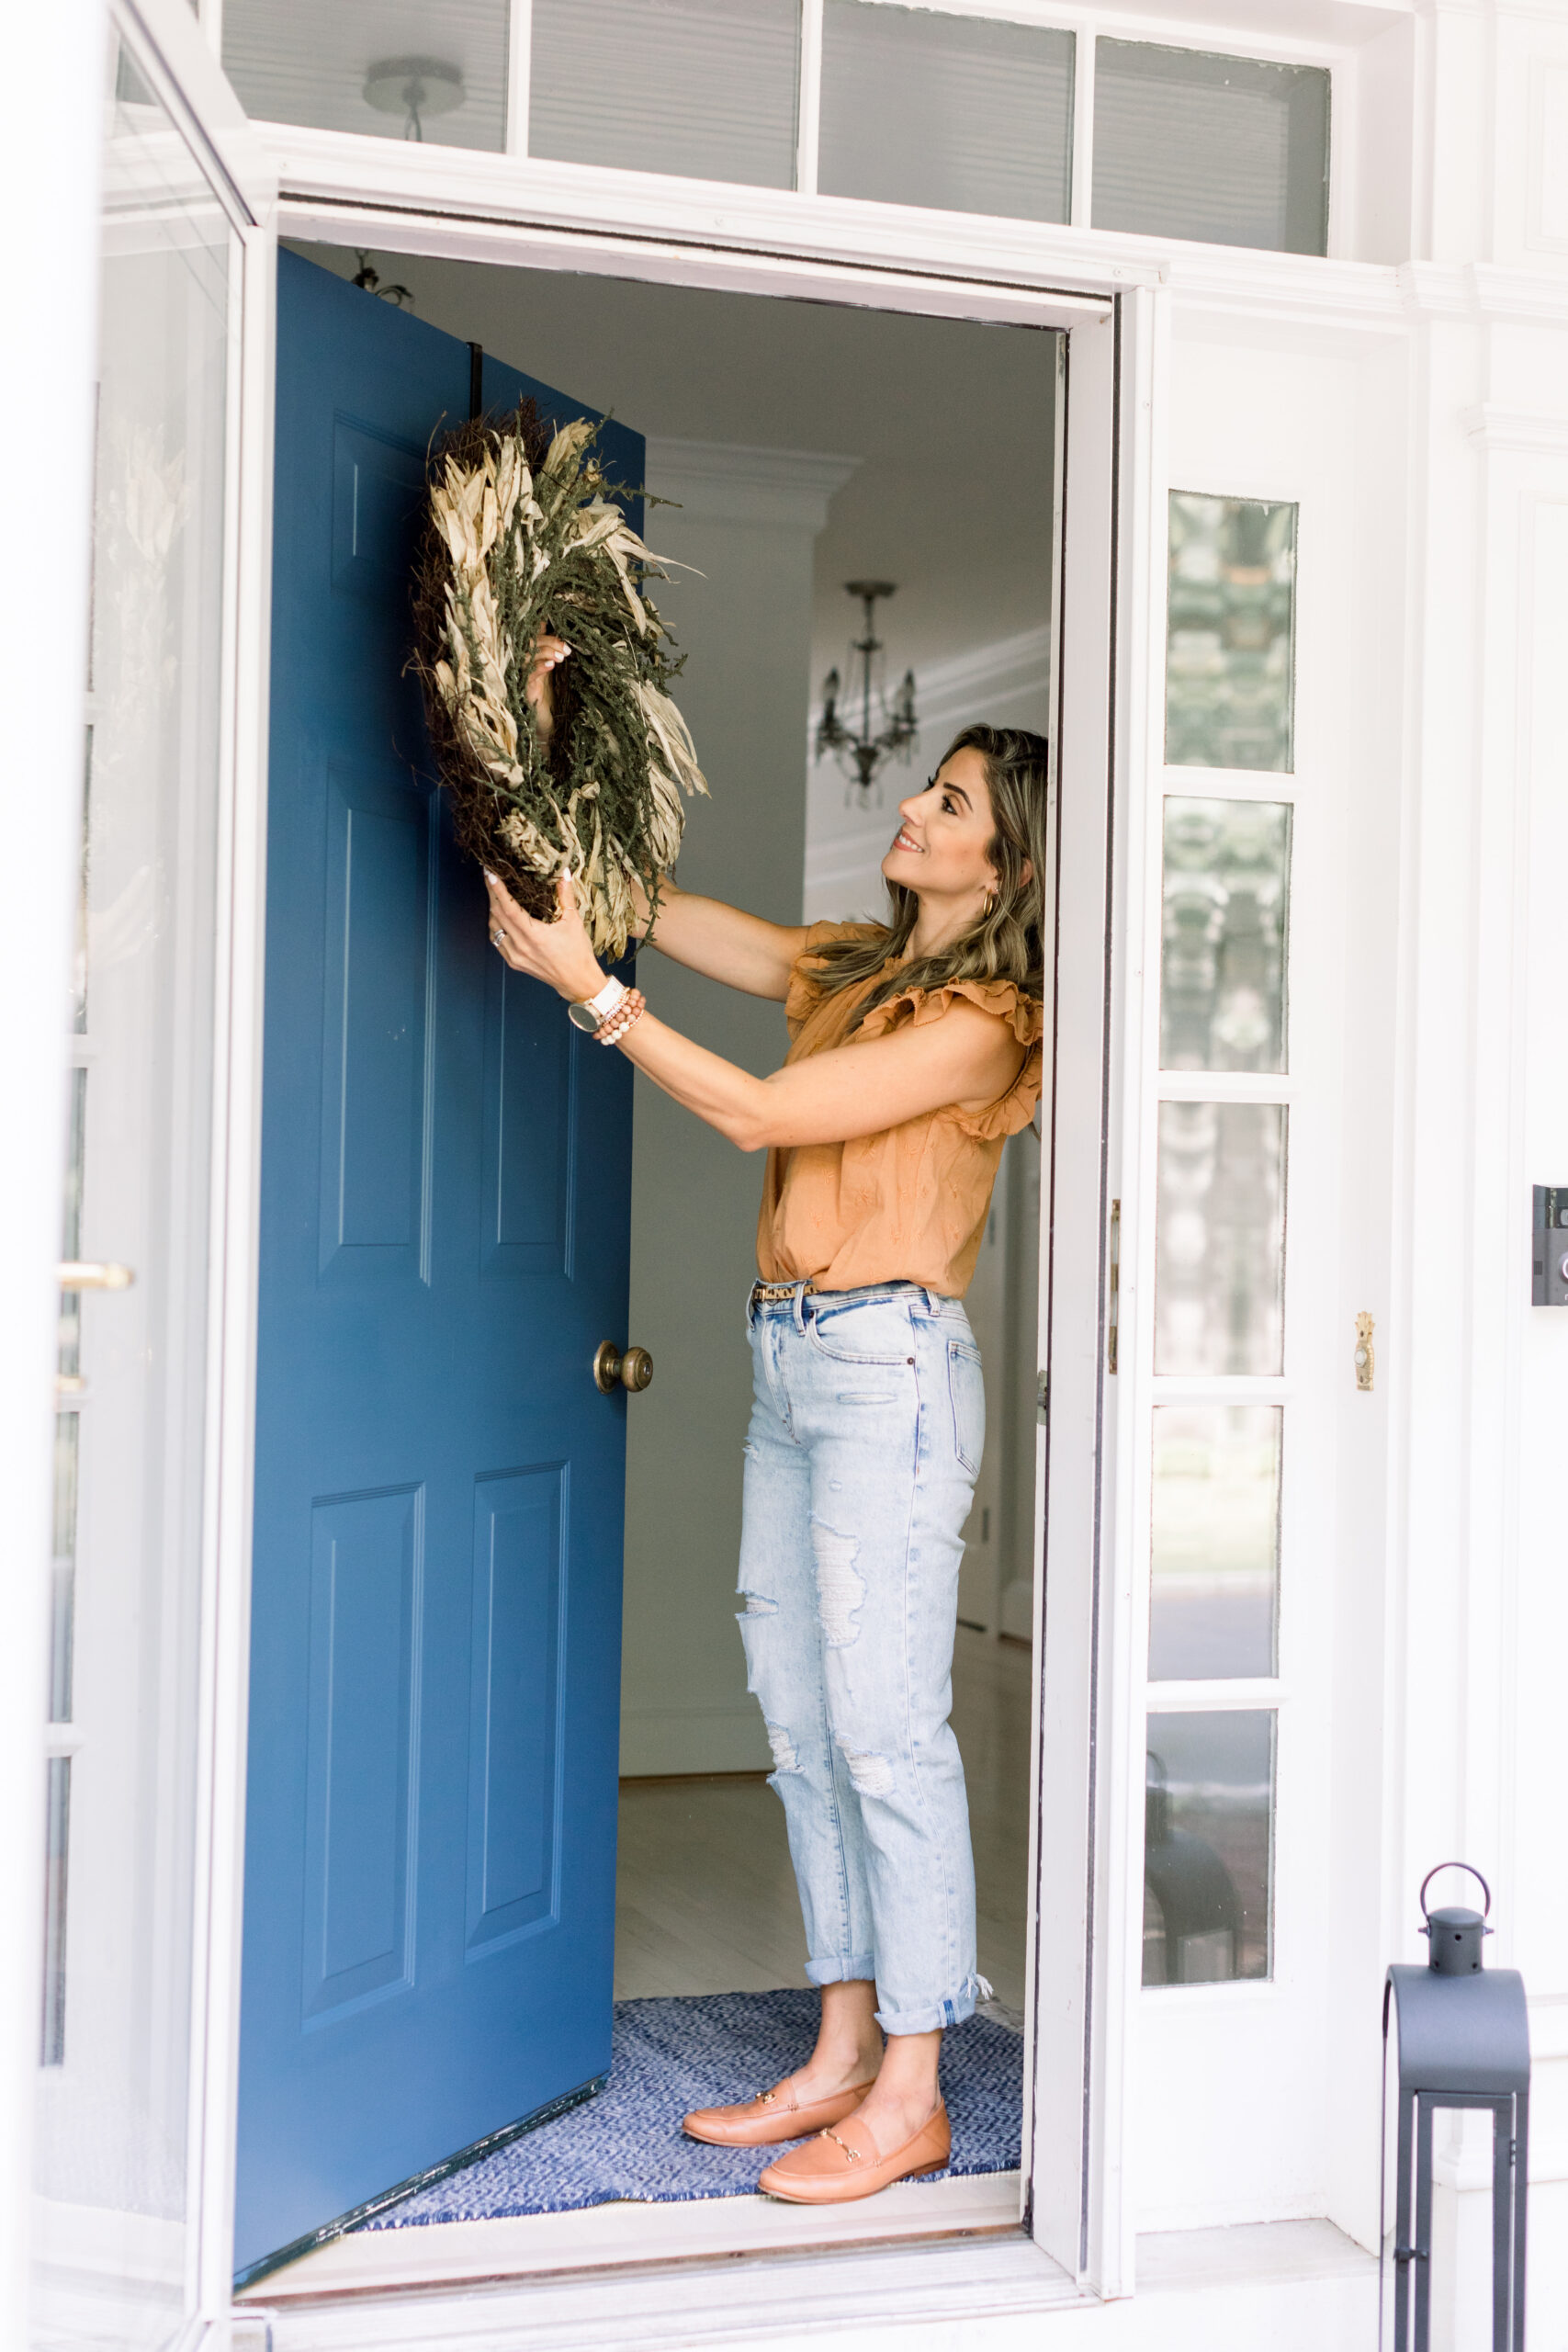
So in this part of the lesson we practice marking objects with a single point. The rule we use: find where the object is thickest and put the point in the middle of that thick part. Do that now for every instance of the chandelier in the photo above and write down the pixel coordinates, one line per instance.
(860, 752)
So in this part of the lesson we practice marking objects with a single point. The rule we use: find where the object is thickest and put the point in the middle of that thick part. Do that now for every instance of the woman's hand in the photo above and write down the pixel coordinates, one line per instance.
(557, 953)
(548, 654)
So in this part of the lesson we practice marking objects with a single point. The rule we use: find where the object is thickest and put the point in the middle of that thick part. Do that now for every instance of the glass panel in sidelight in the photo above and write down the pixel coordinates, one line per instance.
(1230, 634)
(62, 1582)
(1220, 1238)
(1224, 924)
(1214, 1556)
(967, 114)
(69, 1357)
(1209, 1846)
(702, 89)
(1230, 150)
(111, 2147)
(432, 70)
(56, 1894)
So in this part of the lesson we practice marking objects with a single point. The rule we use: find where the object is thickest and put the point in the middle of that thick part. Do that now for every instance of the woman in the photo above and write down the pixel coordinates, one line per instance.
(915, 1053)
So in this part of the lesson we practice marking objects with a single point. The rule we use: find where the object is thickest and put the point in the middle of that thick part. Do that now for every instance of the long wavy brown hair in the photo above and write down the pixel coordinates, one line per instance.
(1007, 942)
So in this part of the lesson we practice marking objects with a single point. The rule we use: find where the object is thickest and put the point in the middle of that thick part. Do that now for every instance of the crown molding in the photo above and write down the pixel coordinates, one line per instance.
(1516, 430)
(1480, 291)
(723, 482)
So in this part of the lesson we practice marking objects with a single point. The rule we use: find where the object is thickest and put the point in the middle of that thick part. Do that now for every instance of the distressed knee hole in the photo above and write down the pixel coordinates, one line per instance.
(757, 1605)
(785, 1757)
(840, 1586)
(871, 1774)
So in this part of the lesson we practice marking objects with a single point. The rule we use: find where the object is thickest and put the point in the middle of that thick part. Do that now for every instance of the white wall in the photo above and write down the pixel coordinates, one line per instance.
(747, 522)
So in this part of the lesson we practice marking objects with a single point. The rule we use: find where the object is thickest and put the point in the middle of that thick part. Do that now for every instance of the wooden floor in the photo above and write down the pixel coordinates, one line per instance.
(707, 1900)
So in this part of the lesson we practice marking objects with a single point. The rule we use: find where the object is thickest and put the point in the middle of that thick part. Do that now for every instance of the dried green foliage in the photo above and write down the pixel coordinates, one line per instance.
(522, 541)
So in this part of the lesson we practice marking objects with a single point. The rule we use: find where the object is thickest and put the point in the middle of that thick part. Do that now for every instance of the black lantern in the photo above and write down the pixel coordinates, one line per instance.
(1462, 2036)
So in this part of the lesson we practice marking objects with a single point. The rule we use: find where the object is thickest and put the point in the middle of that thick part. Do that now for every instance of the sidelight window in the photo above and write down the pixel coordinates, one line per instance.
(1220, 1436)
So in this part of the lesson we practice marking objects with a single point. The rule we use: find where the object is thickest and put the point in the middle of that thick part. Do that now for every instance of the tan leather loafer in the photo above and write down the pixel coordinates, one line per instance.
(837, 2166)
(772, 2115)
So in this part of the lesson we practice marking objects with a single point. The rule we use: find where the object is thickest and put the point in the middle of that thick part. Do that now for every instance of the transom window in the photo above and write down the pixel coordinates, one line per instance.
(868, 99)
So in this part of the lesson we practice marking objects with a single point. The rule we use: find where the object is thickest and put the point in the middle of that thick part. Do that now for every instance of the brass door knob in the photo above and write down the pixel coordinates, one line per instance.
(631, 1369)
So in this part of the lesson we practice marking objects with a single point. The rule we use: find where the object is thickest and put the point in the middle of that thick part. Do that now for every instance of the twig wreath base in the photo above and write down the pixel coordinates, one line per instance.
(522, 541)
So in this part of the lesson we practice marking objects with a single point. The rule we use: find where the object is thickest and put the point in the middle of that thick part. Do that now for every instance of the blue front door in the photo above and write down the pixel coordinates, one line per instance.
(446, 1180)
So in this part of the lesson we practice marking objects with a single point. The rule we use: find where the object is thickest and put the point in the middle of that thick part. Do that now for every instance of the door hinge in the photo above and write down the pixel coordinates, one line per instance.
(1042, 1396)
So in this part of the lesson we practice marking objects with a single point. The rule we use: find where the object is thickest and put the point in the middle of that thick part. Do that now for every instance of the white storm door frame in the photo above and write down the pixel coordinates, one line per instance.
(1085, 1865)
(379, 194)
(1084, 1840)
(179, 67)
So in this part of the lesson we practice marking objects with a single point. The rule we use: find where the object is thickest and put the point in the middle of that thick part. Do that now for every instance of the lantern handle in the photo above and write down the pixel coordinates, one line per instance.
(1432, 1873)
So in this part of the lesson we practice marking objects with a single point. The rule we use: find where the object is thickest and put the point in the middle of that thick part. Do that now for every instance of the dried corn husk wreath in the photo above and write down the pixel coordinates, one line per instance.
(522, 541)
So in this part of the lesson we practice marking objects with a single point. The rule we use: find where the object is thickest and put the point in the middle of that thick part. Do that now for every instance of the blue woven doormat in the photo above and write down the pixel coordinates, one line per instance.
(670, 2055)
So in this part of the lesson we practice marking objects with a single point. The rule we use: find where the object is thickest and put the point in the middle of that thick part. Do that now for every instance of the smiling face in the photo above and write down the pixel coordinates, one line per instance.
(940, 848)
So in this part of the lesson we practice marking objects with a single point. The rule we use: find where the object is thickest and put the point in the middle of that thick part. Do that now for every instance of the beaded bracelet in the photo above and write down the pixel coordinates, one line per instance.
(628, 1010)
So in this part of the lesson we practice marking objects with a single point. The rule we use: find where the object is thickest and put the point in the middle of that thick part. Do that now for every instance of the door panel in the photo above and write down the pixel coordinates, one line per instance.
(436, 1640)
(520, 1524)
(359, 1774)
(377, 1072)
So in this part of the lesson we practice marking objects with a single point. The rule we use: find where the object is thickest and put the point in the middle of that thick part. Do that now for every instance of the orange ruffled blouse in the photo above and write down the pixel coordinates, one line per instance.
(909, 1205)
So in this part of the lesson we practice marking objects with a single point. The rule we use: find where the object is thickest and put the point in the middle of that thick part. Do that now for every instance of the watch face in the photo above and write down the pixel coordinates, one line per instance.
(583, 1016)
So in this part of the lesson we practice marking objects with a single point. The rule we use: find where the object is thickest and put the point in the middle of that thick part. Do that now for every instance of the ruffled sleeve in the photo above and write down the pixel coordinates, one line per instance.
(913, 1007)
(805, 981)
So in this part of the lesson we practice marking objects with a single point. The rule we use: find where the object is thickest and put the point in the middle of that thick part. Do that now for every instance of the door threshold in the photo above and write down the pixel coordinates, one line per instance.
(605, 2237)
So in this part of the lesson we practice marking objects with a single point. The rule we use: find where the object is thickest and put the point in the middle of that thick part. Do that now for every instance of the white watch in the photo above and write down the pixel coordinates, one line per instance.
(594, 1010)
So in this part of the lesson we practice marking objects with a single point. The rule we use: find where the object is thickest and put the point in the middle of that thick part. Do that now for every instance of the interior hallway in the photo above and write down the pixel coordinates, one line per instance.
(705, 1899)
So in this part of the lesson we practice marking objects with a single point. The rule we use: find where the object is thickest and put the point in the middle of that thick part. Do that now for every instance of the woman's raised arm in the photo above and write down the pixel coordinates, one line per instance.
(967, 1058)
(723, 943)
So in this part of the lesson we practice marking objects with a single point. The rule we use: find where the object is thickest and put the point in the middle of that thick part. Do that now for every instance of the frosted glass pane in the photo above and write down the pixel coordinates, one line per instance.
(963, 113)
(295, 60)
(1220, 1238)
(1230, 634)
(1215, 1551)
(1225, 150)
(1225, 919)
(705, 89)
(1209, 1846)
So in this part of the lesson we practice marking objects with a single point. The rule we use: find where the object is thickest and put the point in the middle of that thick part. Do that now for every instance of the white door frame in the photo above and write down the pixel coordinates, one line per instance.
(1078, 1971)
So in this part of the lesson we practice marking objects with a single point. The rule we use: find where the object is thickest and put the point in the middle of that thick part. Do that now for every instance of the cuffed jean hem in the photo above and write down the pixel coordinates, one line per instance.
(952, 2011)
(856, 1968)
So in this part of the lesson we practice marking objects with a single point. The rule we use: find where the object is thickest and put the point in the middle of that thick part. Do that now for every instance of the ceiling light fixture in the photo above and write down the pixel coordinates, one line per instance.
(860, 753)
(414, 88)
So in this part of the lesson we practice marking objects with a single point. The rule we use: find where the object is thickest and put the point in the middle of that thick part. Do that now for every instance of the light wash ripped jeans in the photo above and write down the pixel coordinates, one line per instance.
(866, 1431)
